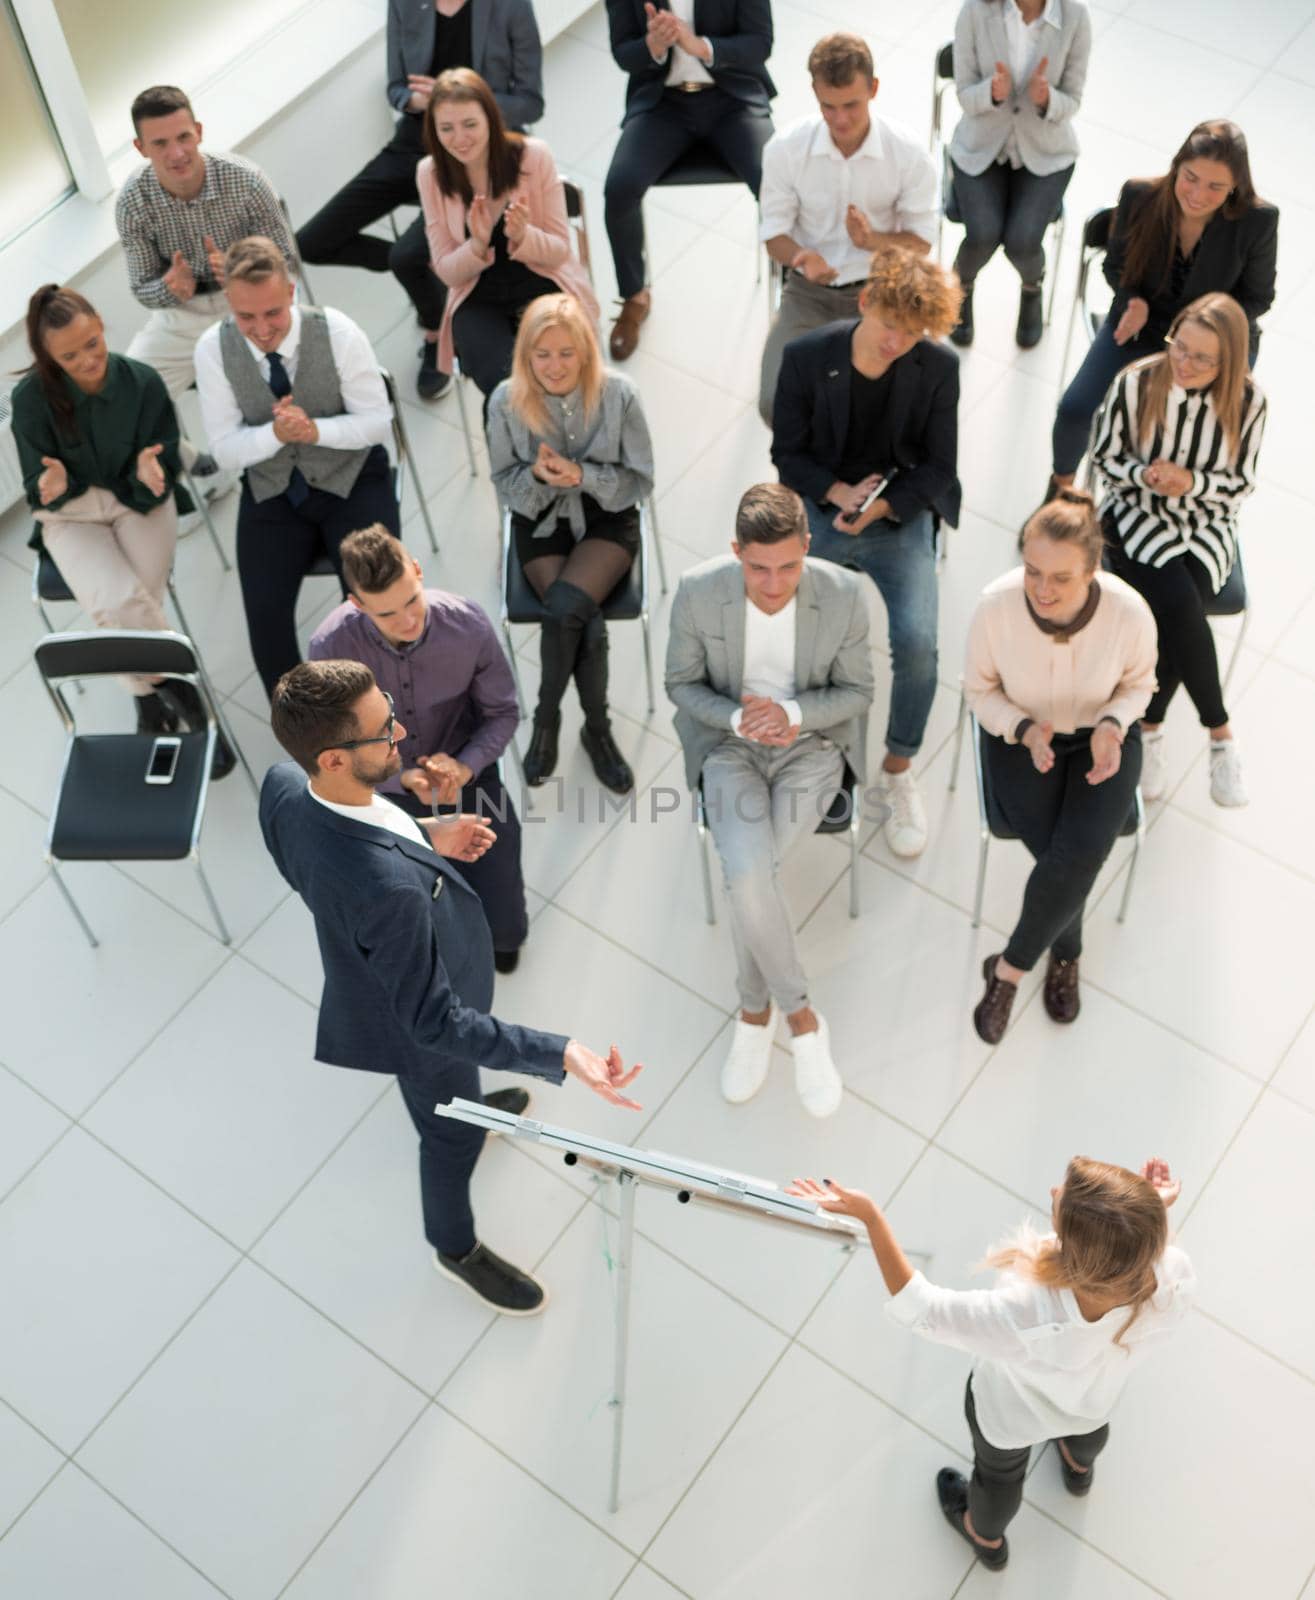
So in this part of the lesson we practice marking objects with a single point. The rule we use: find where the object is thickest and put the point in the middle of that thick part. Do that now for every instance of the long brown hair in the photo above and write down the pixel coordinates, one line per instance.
(526, 392)
(54, 307)
(1221, 315)
(1110, 1233)
(1153, 228)
(1068, 517)
(463, 85)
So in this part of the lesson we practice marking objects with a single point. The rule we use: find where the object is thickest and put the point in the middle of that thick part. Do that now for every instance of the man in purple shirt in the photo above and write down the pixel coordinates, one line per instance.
(439, 658)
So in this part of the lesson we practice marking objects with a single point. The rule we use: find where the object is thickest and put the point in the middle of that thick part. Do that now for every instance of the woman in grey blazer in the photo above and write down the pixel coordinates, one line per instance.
(1019, 69)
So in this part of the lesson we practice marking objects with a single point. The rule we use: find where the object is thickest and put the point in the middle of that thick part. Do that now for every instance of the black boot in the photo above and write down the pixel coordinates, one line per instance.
(430, 382)
(186, 701)
(962, 332)
(610, 766)
(541, 758)
(1031, 317)
(156, 715)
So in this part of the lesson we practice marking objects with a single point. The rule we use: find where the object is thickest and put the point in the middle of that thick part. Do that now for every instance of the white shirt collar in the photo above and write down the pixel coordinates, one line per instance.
(288, 349)
(873, 147)
(1053, 13)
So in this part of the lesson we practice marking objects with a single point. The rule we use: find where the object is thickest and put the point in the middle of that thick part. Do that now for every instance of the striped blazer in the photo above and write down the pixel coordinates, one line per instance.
(1154, 528)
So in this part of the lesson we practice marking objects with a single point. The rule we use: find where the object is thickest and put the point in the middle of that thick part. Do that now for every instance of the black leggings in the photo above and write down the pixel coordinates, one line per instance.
(1178, 594)
(996, 1489)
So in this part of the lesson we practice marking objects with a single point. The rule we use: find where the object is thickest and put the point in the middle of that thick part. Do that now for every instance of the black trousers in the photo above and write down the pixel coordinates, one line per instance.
(652, 141)
(1178, 594)
(496, 877)
(277, 542)
(1068, 825)
(448, 1153)
(996, 1489)
(484, 332)
(335, 235)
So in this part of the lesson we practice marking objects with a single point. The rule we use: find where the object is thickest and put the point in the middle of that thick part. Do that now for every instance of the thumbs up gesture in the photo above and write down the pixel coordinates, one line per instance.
(215, 256)
(1001, 83)
(1038, 88)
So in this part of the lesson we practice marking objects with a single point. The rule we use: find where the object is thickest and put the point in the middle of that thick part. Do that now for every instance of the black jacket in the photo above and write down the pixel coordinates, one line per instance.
(740, 32)
(811, 417)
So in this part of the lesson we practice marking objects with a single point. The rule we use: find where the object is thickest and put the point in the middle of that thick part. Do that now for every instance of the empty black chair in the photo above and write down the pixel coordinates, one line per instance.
(701, 164)
(1095, 242)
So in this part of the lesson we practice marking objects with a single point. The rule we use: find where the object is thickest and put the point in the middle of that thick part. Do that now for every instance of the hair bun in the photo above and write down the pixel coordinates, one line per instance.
(1070, 496)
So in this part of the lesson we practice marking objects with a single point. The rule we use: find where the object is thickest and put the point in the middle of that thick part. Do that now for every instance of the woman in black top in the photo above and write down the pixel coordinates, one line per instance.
(1200, 229)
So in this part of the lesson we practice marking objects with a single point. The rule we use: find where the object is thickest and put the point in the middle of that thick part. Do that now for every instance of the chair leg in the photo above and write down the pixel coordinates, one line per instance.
(1236, 650)
(515, 671)
(981, 878)
(648, 663)
(853, 860)
(414, 471)
(709, 904)
(224, 935)
(657, 542)
(1136, 856)
(92, 940)
(1056, 251)
(958, 740)
(465, 420)
(204, 510)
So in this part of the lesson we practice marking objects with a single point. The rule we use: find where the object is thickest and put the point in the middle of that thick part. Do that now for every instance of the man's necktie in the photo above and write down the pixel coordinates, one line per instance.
(281, 385)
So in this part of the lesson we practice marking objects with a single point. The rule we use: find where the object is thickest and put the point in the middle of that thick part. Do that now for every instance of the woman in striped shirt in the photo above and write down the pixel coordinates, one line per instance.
(1177, 447)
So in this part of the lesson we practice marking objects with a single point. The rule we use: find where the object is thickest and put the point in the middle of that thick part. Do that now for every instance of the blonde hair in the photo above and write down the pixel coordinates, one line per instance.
(254, 260)
(1110, 1233)
(911, 292)
(527, 394)
(1221, 315)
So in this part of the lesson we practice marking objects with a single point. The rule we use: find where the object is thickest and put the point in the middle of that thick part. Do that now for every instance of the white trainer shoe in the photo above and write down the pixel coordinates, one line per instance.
(906, 826)
(1154, 765)
(818, 1083)
(1226, 785)
(745, 1069)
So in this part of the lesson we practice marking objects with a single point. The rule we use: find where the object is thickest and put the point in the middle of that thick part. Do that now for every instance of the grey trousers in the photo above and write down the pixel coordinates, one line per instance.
(760, 801)
(804, 306)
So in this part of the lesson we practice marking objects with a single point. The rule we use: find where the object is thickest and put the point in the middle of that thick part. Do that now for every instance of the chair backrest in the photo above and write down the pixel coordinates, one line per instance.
(106, 651)
(942, 76)
(945, 60)
(575, 216)
(1096, 229)
(399, 438)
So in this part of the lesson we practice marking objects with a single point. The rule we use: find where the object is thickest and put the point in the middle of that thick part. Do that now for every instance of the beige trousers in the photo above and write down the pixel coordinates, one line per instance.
(115, 560)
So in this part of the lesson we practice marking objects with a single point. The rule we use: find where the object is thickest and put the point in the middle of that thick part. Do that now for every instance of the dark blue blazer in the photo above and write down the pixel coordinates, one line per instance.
(741, 35)
(811, 418)
(408, 959)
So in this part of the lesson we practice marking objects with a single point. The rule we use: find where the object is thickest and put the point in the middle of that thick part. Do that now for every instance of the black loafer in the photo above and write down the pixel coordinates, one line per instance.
(515, 1102)
(506, 960)
(952, 1492)
(155, 714)
(502, 1287)
(991, 1013)
(610, 767)
(962, 332)
(430, 382)
(541, 758)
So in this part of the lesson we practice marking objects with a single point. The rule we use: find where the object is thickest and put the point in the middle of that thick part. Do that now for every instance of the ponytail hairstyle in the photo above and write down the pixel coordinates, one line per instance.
(526, 393)
(54, 307)
(1153, 229)
(1110, 1233)
(1069, 517)
(1221, 315)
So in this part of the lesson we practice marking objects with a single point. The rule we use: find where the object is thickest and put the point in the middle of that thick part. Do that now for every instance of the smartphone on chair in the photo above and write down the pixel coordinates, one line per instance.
(162, 762)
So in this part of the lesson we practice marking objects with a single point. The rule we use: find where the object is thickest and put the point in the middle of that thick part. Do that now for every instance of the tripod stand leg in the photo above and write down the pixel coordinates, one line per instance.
(625, 1248)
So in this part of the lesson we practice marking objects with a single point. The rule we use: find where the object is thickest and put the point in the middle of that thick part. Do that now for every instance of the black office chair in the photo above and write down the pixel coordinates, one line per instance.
(843, 815)
(941, 83)
(1095, 242)
(992, 825)
(700, 165)
(104, 809)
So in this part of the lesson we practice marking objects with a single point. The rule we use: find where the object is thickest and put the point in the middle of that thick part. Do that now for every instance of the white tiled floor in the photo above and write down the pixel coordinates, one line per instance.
(226, 1367)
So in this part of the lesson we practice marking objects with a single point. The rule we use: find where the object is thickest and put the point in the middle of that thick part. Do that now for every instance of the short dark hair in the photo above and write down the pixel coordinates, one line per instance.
(839, 59)
(311, 708)
(160, 101)
(769, 513)
(372, 559)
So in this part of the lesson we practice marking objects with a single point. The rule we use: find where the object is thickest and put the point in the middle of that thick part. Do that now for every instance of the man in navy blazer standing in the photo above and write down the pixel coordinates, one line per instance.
(408, 959)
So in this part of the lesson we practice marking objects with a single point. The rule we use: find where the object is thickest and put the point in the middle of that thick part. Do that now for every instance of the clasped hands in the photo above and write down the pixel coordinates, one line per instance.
(555, 470)
(1038, 87)
(1106, 749)
(766, 721)
(1167, 478)
(666, 29)
(437, 779)
(53, 482)
(291, 423)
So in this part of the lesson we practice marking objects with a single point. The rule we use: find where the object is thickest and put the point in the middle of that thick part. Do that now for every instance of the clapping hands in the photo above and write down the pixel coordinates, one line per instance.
(556, 470)
(480, 220)
(664, 30)
(516, 219)
(180, 280)
(291, 423)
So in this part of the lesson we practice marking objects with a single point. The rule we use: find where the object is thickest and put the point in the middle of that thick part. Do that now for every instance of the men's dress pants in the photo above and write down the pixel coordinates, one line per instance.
(448, 1153)
(804, 306)
(759, 802)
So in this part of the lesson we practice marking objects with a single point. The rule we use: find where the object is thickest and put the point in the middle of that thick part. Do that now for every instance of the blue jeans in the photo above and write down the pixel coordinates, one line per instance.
(900, 558)
(1010, 206)
(1081, 400)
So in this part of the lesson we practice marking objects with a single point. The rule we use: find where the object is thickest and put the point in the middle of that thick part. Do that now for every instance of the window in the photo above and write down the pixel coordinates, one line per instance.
(33, 172)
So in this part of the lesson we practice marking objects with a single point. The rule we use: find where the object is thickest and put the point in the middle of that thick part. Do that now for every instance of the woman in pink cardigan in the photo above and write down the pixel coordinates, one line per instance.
(1059, 668)
(495, 217)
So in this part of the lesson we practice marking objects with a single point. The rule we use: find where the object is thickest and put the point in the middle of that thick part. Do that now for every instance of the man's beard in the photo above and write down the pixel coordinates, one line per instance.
(374, 773)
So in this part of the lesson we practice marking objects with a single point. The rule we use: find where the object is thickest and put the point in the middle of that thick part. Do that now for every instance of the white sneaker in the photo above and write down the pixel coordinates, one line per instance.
(1154, 765)
(818, 1083)
(1226, 786)
(745, 1069)
(906, 826)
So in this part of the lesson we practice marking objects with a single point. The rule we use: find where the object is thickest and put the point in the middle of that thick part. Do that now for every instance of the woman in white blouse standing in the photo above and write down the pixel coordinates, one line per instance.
(1176, 450)
(1054, 1341)
(1019, 69)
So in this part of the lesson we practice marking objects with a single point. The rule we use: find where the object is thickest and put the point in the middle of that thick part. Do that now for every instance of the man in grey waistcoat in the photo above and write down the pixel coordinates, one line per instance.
(769, 668)
(294, 400)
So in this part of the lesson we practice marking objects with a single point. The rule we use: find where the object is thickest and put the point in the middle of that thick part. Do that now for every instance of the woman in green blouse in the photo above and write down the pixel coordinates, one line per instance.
(97, 443)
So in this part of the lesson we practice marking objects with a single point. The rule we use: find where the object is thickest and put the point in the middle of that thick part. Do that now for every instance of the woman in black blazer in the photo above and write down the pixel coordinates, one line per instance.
(865, 428)
(1200, 229)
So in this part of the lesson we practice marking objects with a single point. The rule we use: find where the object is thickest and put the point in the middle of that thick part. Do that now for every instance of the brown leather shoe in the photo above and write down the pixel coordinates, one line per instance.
(1060, 995)
(991, 1013)
(625, 330)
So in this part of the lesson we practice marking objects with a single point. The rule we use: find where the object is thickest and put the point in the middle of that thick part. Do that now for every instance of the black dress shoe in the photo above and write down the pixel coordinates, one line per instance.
(502, 1287)
(952, 1492)
(515, 1102)
(610, 767)
(541, 758)
(1060, 994)
(430, 382)
(962, 332)
(155, 714)
(1031, 320)
(991, 1013)
(506, 960)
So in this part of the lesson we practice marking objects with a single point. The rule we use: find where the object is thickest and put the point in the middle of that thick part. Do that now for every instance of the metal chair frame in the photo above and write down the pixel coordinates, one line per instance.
(1095, 240)
(405, 458)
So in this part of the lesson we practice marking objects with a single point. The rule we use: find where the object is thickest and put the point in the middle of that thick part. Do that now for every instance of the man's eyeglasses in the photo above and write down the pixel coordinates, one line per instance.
(1197, 363)
(388, 736)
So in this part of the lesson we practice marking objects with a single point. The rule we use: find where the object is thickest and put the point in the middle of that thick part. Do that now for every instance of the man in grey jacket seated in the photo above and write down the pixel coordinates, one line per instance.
(769, 668)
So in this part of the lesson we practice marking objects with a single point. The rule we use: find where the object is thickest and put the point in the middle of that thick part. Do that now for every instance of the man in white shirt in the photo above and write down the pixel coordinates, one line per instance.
(769, 668)
(835, 187)
(293, 398)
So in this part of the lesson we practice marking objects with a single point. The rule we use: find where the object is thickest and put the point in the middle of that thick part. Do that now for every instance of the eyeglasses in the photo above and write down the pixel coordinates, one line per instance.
(1197, 363)
(388, 736)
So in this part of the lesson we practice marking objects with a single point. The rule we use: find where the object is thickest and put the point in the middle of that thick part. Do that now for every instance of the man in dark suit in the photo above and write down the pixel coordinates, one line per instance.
(408, 960)
(865, 428)
(500, 40)
(698, 75)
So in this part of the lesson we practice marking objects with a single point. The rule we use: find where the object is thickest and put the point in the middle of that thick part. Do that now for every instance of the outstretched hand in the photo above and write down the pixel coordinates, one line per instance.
(1157, 1174)
(461, 838)
(605, 1075)
(150, 474)
(831, 1197)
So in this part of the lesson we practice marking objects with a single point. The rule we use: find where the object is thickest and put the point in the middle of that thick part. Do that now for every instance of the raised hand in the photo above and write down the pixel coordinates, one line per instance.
(1037, 739)
(150, 474)
(1001, 83)
(605, 1075)
(1106, 753)
(180, 280)
(661, 31)
(831, 1197)
(461, 838)
(1038, 88)
(480, 220)
(859, 229)
(1132, 321)
(53, 482)
(1157, 1174)
(814, 267)
(421, 86)
(215, 256)
(516, 219)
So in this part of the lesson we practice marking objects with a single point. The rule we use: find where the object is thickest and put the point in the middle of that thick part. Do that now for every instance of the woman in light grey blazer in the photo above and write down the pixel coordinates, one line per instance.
(1019, 68)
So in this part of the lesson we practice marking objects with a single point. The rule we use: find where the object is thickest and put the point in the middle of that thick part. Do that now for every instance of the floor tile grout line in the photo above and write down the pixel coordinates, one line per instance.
(1246, 1339)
